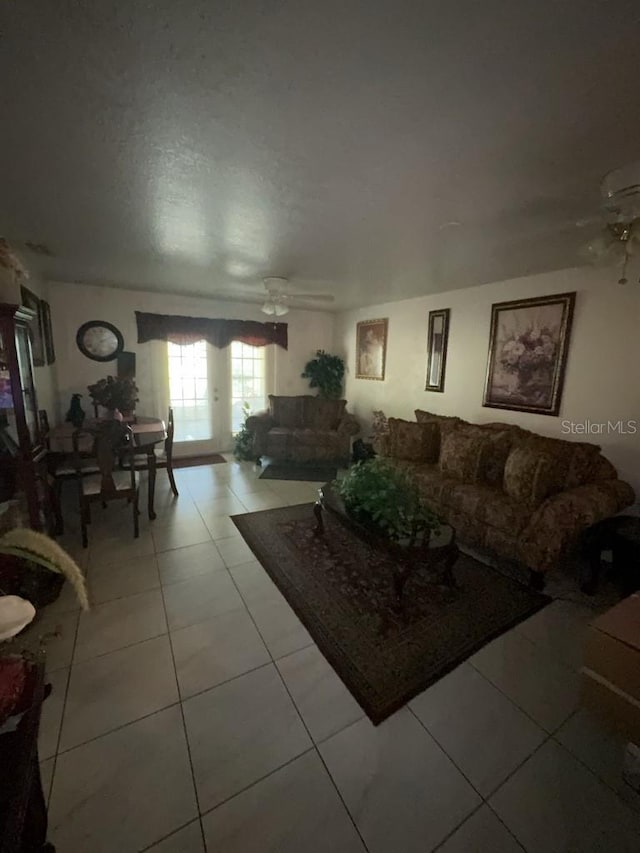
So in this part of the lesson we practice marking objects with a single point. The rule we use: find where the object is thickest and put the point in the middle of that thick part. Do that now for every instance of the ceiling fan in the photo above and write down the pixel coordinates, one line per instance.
(278, 294)
(619, 240)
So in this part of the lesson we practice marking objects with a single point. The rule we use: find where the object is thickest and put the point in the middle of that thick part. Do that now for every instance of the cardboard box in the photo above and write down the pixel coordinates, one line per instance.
(611, 674)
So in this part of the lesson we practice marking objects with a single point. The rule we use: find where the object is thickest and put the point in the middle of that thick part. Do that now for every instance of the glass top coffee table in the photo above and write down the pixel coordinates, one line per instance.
(433, 555)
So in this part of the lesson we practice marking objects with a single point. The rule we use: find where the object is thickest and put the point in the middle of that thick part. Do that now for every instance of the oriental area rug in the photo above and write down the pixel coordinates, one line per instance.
(342, 591)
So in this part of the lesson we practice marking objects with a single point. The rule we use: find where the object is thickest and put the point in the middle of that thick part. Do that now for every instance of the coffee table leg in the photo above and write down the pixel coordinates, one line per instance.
(317, 511)
(448, 577)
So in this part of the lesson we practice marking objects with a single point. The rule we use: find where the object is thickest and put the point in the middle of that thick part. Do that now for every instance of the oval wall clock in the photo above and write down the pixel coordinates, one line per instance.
(99, 340)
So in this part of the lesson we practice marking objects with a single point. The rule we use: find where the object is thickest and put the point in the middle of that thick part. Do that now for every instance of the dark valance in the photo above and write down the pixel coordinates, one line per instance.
(220, 333)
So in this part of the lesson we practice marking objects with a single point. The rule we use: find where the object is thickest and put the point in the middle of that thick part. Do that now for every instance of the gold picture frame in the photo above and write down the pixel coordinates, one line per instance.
(528, 349)
(371, 349)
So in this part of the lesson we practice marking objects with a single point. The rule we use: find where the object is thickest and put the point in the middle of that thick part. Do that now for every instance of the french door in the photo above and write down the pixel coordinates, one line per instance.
(207, 390)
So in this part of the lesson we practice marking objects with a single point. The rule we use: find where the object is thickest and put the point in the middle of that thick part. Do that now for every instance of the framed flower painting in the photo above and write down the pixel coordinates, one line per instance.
(528, 353)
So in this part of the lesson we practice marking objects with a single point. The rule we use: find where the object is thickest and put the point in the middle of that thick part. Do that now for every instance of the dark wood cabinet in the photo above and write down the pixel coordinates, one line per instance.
(23, 471)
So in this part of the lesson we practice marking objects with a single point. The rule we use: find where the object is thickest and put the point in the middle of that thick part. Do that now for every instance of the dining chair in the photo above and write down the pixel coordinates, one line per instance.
(112, 441)
(166, 462)
(61, 469)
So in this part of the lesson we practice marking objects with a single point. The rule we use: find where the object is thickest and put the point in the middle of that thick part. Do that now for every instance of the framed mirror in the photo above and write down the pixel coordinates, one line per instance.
(437, 349)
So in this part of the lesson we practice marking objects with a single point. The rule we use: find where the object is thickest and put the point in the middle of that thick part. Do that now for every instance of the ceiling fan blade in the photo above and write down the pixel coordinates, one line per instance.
(318, 297)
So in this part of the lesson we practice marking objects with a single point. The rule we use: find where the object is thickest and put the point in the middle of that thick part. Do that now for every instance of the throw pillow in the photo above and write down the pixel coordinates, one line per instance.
(497, 444)
(413, 441)
(462, 455)
(529, 475)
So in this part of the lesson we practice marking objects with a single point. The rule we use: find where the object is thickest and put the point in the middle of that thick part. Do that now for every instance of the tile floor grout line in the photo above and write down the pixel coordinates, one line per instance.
(256, 782)
(184, 729)
(119, 728)
(441, 747)
(172, 833)
(510, 775)
(513, 701)
(306, 728)
(64, 710)
(593, 772)
(440, 844)
(508, 829)
(119, 649)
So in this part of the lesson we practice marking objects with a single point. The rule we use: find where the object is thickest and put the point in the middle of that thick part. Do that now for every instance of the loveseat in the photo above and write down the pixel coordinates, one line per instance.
(508, 491)
(303, 429)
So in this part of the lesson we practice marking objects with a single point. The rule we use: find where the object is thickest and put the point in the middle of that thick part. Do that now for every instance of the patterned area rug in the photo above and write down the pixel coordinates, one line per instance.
(341, 589)
(291, 471)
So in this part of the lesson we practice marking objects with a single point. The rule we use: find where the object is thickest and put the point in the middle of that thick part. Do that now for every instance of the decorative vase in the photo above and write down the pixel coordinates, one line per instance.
(76, 414)
(114, 415)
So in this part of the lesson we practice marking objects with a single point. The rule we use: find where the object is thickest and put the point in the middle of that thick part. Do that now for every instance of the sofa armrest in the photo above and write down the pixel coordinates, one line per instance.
(559, 521)
(349, 425)
(261, 422)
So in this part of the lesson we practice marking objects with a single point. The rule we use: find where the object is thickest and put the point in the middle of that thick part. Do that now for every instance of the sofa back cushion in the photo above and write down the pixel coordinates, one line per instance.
(413, 441)
(575, 462)
(462, 455)
(496, 446)
(287, 411)
(322, 414)
(529, 474)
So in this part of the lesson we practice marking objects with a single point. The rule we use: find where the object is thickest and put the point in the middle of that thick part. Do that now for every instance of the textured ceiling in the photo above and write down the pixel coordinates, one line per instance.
(199, 146)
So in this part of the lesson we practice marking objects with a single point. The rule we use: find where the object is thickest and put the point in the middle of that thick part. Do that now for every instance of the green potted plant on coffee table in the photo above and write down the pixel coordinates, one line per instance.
(379, 495)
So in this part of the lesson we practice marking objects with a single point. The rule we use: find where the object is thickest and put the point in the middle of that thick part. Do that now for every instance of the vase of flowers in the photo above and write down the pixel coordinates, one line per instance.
(530, 358)
(117, 396)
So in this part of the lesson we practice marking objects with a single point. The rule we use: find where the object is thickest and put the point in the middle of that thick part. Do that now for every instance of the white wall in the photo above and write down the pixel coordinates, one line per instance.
(74, 304)
(601, 383)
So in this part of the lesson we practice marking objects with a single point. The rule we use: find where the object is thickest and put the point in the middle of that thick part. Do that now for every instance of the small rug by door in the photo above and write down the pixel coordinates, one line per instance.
(193, 461)
(340, 587)
(291, 471)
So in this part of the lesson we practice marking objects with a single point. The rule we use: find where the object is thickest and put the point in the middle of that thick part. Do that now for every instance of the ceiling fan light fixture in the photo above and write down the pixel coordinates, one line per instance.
(281, 310)
(268, 308)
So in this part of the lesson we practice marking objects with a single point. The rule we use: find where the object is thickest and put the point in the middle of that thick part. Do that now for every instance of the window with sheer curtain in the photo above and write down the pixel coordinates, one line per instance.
(247, 381)
(189, 391)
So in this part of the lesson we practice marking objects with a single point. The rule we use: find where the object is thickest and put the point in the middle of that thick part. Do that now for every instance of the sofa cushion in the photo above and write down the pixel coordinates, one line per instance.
(462, 455)
(489, 505)
(413, 441)
(320, 413)
(279, 441)
(423, 417)
(287, 411)
(497, 444)
(434, 485)
(529, 474)
(574, 460)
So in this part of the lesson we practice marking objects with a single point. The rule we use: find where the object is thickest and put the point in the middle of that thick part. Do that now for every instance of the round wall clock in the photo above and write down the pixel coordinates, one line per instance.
(99, 340)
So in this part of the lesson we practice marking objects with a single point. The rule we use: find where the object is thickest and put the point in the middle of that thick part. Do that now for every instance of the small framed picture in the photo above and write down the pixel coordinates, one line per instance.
(371, 349)
(437, 349)
(47, 332)
(31, 301)
(528, 353)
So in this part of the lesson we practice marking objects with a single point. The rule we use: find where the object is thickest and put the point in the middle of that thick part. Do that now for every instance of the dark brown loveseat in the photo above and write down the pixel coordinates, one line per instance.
(515, 493)
(303, 429)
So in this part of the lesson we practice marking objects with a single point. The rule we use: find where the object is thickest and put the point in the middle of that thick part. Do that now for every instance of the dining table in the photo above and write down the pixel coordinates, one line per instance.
(147, 433)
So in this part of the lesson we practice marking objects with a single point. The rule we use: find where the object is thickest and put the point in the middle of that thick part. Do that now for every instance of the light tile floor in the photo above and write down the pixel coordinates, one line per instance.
(191, 711)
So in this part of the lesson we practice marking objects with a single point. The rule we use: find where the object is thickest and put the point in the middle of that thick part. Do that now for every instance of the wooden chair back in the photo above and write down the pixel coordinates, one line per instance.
(43, 426)
(168, 444)
(110, 442)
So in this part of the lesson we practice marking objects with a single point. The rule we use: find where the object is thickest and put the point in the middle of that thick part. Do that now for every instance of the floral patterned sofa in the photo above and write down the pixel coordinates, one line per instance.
(304, 429)
(515, 493)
